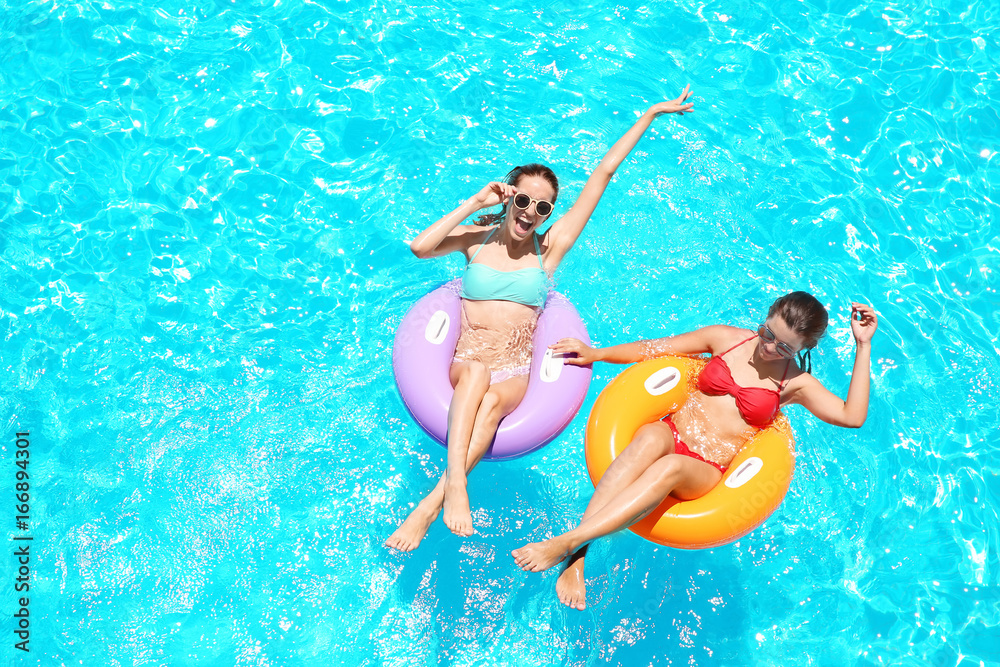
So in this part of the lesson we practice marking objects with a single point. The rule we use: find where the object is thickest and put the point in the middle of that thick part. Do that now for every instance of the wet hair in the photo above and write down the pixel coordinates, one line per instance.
(804, 315)
(512, 178)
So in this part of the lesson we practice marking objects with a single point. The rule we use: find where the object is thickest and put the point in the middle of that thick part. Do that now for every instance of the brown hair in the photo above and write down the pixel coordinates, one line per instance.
(806, 316)
(512, 178)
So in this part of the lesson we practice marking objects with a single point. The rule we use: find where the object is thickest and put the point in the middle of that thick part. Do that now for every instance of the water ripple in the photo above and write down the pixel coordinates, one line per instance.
(203, 210)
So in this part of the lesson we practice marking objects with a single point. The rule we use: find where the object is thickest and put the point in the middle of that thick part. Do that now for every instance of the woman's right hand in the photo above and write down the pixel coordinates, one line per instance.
(584, 353)
(442, 238)
(495, 192)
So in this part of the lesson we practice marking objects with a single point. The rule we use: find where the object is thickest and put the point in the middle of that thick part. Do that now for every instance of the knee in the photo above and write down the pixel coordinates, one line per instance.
(476, 373)
(666, 471)
(652, 438)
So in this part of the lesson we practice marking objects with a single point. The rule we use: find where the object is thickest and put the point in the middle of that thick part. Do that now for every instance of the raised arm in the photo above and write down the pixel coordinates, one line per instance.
(828, 406)
(708, 339)
(444, 237)
(567, 230)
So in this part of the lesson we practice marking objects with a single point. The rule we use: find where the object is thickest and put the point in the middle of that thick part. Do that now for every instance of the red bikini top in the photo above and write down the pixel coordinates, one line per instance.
(757, 405)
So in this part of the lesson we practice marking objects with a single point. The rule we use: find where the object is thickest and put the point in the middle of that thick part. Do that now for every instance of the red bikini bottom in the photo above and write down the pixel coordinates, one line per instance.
(684, 450)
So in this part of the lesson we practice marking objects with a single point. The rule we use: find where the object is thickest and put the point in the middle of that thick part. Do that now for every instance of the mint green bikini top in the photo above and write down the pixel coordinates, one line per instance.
(525, 286)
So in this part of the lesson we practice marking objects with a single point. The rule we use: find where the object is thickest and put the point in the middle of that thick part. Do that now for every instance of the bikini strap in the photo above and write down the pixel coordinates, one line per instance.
(484, 243)
(737, 345)
(538, 250)
(781, 385)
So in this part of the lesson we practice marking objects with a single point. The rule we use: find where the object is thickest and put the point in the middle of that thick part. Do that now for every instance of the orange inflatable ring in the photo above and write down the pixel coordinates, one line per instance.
(751, 489)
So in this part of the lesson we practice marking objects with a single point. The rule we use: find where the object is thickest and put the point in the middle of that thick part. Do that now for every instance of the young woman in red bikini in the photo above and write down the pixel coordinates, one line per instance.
(749, 377)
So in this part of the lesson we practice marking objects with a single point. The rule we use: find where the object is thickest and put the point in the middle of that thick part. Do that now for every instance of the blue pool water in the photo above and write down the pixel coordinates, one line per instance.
(203, 210)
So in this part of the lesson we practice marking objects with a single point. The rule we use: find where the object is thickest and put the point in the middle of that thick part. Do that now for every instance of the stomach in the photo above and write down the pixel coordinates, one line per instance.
(496, 333)
(498, 315)
(712, 427)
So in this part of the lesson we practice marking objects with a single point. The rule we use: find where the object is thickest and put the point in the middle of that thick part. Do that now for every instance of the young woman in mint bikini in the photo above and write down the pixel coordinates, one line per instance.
(749, 376)
(504, 289)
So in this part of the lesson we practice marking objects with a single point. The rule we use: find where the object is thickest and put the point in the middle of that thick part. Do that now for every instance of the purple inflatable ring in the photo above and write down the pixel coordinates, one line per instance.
(421, 360)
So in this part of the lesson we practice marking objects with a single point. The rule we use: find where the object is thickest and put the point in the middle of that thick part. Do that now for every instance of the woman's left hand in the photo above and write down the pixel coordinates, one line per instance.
(679, 106)
(864, 322)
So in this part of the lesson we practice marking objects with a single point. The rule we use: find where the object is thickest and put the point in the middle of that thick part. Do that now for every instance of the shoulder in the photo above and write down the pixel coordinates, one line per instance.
(722, 337)
(551, 235)
(554, 241)
(798, 383)
(547, 240)
(473, 233)
(715, 340)
(462, 239)
(469, 236)
(549, 250)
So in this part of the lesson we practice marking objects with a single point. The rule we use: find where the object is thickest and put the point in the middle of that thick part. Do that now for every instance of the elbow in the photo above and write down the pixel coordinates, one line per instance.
(853, 414)
(420, 251)
(855, 422)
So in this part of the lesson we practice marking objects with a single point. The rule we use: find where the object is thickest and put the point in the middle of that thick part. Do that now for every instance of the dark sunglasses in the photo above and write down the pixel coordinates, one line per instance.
(523, 201)
(768, 336)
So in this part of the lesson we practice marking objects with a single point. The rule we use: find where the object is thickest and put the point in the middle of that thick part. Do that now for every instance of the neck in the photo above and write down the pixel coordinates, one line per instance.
(515, 247)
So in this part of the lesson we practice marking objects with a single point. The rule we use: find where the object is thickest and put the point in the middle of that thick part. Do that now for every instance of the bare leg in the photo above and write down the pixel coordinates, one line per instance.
(650, 443)
(571, 587)
(471, 380)
(688, 477)
(499, 401)
(411, 532)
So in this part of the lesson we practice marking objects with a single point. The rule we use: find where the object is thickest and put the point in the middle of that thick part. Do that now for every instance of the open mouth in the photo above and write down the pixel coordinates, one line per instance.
(522, 226)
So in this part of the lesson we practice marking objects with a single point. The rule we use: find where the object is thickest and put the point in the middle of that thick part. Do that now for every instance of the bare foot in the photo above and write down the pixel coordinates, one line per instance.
(571, 587)
(539, 556)
(409, 535)
(457, 515)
